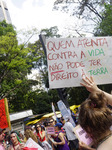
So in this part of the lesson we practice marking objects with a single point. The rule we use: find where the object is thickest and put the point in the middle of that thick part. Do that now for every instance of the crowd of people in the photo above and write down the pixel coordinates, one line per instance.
(63, 138)
(94, 116)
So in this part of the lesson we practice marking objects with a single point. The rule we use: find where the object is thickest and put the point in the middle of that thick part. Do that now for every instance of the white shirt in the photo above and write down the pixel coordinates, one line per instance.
(69, 131)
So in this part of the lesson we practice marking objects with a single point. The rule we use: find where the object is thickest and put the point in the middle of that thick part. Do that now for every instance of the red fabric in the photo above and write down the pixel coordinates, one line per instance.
(3, 118)
(27, 148)
(41, 140)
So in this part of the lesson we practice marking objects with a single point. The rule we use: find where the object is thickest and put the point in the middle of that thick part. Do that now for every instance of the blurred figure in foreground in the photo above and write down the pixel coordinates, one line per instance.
(15, 142)
(95, 117)
(2, 144)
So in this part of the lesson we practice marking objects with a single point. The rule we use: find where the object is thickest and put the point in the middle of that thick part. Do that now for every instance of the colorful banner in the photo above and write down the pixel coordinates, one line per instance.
(4, 114)
(69, 59)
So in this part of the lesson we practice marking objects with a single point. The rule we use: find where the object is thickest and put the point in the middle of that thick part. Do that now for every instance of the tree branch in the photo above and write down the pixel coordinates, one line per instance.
(94, 10)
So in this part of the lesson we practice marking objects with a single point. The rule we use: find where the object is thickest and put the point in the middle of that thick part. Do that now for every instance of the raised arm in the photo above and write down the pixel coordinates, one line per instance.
(91, 86)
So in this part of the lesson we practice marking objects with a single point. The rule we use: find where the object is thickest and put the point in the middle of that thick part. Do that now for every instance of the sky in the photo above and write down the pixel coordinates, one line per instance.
(26, 14)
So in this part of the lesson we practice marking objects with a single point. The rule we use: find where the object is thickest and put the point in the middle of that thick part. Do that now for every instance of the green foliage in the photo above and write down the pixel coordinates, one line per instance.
(16, 62)
(41, 64)
(104, 28)
(6, 28)
(77, 95)
(52, 32)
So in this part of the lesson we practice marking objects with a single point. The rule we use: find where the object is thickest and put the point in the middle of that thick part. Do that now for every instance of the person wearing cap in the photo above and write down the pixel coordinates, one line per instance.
(2, 136)
(73, 141)
(60, 140)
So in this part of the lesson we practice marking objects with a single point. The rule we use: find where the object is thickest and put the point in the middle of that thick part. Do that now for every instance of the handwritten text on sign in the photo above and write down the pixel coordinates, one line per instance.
(69, 59)
(50, 130)
(82, 135)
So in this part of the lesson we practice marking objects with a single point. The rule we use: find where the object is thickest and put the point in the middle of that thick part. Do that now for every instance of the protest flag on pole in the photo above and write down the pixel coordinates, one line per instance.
(53, 109)
(4, 114)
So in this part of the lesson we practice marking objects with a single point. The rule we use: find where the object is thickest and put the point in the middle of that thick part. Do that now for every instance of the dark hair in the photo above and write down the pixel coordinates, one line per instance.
(94, 116)
(45, 123)
(17, 135)
(36, 127)
(42, 128)
(14, 132)
(59, 127)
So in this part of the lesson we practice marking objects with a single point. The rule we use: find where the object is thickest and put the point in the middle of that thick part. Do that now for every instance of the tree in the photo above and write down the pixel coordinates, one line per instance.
(16, 62)
(41, 64)
(104, 27)
(25, 97)
(6, 28)
(38, 100)
(97, 13)
(90, 11)
(77, 95)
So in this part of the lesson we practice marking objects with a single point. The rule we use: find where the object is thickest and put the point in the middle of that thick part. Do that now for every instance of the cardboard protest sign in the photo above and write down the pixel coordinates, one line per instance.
(64, 111)
(69, 59)
(82, 135)
(53, 109)
(30, 143)
(50, 130)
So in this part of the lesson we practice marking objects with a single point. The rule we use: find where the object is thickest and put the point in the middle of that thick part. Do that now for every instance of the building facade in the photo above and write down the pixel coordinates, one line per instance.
(17, 120)
(4, 13)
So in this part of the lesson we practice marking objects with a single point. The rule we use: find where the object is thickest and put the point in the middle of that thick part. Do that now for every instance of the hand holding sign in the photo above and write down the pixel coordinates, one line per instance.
(90, 84)
(82, 135)
(82, 145)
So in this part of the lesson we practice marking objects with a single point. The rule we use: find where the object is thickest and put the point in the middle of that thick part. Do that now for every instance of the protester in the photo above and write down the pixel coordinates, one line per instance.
(15, 142)
(51, 122)
(33, 129)
(29, 134)
(62, 120)
(73, 141)
(46, 124)
(42, 137)
(73, 116)
(2, 144)
(77, 115)
(60, 140)
(21, 136)
(95, 117)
